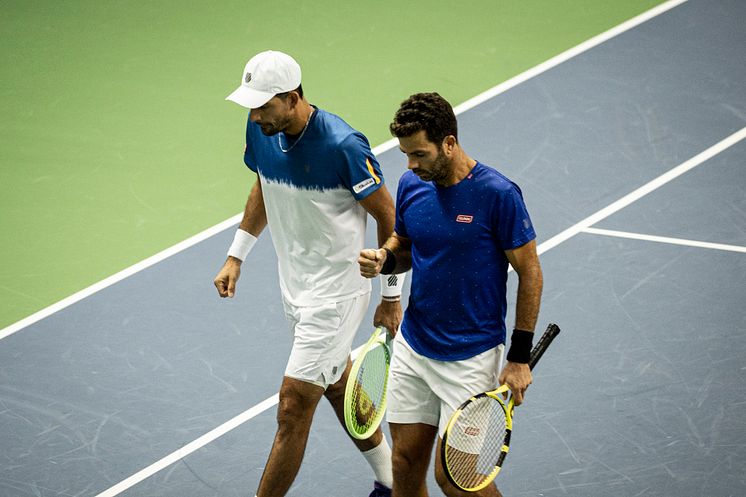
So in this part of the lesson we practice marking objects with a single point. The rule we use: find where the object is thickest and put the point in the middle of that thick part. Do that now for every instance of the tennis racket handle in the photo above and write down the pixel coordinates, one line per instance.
(541, 346)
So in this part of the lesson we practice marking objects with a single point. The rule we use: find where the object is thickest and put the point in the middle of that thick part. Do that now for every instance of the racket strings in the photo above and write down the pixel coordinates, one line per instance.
(370, 388)
(475, 442)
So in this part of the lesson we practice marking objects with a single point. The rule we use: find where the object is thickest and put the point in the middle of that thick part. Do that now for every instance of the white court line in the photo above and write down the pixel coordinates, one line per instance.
(568, 54)
(644, 190)
(114, 278)
(583, 225)
(469, 104)
(190, 447)
(665, 239)
(200, 442)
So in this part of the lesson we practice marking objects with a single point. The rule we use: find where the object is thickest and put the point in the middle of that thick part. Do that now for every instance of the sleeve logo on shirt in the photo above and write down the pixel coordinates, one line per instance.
(464, 218)
(368, 181)
(363, 185)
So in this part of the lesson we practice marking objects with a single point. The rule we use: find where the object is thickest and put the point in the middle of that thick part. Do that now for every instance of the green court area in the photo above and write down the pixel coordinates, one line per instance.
(115, 141)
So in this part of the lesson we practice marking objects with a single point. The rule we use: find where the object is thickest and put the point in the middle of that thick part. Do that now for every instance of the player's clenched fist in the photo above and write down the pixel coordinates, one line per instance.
(226, 279)
(371, 261)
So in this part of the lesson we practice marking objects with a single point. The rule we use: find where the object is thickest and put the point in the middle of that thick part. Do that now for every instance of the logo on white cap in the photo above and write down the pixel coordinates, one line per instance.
(265, 75)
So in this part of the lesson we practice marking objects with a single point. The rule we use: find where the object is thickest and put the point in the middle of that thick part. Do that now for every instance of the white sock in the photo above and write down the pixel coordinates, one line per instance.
(379, 459)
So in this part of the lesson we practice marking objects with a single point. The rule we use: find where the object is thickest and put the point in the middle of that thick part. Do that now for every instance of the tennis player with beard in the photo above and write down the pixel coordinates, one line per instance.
(317, 181)
(459, 224)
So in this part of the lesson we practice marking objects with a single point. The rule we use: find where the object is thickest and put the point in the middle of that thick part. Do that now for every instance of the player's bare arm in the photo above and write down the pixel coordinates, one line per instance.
(253, 222)
(525, 261)
(372, 262)
(254, 216)
(380, 205)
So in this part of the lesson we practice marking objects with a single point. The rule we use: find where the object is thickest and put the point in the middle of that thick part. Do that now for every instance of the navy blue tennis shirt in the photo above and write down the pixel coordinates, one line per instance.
(459, 233)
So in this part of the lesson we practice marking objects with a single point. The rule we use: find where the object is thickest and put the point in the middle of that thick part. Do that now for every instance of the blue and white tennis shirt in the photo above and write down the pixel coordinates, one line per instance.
(311, 195)
(459, 235)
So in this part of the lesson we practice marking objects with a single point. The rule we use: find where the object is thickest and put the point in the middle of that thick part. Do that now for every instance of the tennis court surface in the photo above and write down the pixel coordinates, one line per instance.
(631, 154)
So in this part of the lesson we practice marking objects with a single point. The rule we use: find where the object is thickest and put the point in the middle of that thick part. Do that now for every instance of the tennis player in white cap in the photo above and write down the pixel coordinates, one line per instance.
(317, 181)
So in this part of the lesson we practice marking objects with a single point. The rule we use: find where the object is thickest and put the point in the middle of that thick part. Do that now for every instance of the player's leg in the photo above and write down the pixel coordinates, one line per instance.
(412, 446)
(298, 401)
(307, 375)
(335, 394)
(454, 382)
(412, 414)
(351, 312)
(375, 449)
(449, 489)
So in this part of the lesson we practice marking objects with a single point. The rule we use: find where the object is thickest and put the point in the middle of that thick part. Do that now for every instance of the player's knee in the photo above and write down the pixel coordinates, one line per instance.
(294, 410)
(405, 464)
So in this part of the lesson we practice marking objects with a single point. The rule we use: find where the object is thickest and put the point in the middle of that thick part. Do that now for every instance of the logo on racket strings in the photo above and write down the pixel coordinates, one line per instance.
(472, 431)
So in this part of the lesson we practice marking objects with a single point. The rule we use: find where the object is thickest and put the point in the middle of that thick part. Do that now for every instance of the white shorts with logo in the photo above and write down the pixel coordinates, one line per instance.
(322, 338)
(424, 390)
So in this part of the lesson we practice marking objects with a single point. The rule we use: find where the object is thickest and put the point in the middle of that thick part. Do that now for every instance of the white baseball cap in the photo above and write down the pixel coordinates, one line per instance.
(266, 74)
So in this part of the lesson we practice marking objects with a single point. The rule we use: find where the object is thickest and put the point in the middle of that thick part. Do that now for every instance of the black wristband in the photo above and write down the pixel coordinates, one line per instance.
(390, 263)
(520, 346)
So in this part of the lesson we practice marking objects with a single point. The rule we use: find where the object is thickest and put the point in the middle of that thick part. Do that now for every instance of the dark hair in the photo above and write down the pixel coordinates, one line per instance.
(425, 111)
(298, 90)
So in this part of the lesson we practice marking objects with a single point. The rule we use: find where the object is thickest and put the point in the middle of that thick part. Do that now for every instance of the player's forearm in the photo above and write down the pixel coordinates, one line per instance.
(401, 248)
(380, 205)
(253, 222)
(385, 230)
(254, 217)
(528, 300)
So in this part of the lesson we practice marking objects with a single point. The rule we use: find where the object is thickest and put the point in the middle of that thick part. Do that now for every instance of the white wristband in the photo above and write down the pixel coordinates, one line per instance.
(391, 285)
(242, 244)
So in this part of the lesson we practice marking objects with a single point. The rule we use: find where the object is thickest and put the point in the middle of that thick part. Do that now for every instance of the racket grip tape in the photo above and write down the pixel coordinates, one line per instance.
(551, 332)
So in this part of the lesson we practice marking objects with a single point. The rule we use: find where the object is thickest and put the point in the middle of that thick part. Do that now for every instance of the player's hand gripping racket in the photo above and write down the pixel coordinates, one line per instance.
(365, 393)
(477, 437)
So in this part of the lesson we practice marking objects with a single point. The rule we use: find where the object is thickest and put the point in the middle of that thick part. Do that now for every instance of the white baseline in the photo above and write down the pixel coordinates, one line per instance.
(665, 239)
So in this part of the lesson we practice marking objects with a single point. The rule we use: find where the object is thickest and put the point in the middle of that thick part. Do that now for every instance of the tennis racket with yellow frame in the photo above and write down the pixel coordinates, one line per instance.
(477, 437)
(365, 393)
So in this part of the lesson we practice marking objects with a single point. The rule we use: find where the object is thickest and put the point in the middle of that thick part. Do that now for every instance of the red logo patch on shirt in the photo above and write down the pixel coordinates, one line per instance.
(463, 218)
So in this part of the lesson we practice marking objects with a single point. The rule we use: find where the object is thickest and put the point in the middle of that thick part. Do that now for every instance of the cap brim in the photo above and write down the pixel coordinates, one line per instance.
(249, 98)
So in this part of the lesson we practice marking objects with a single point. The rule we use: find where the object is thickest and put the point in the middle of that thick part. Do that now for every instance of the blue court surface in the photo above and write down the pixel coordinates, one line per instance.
(632, 159)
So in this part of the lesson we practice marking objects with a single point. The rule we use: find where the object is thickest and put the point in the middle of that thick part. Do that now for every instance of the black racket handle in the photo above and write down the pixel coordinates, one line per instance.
(542, 345)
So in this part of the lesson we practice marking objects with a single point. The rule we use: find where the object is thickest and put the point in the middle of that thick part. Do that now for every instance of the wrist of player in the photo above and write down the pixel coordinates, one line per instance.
(243, 242)
(391, 287)
(521, 343)
(389, 263)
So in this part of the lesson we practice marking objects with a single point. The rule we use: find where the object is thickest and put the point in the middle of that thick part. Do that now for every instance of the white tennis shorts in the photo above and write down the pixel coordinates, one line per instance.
(322, 338)
(423, 390)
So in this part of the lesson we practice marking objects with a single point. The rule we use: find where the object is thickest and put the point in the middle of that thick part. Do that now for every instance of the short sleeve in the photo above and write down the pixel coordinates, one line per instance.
(400, 226)
(511, 221)
(359, 170)
(249, 157)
